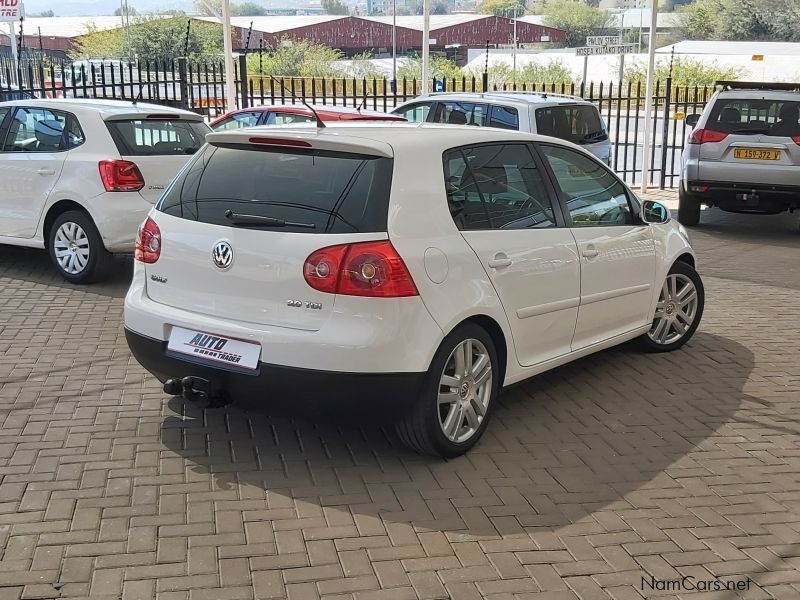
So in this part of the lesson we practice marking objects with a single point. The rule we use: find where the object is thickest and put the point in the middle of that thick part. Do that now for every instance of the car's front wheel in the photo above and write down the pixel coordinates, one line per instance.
(77, 249)
(458, 395)
(688, 208)
(678, 310)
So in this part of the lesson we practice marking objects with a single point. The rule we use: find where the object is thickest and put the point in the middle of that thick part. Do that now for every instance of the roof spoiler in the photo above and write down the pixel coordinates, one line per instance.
(153, 116)
(757, 85)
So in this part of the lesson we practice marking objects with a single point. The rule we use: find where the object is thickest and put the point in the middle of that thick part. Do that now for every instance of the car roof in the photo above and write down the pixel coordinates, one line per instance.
(105, 107)
(384, 138)
(743, 94)
(323, 111)
(520, 98)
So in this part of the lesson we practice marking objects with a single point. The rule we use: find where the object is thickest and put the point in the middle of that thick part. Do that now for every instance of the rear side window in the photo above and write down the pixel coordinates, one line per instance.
(237, 121)
(504, 117)
(416, 113)
(156, 137)
(333, 191)
(576, 123)
(756, 116)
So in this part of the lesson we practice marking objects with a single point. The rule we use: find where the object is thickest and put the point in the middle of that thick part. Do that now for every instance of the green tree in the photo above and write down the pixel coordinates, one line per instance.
(684, 71)
(774, 20)
(577, 18)
(152, 38)
(502, 8)
(44, 13)
(248, 9)
(440, 67)
(131, 12)
(297, 58)
(335, 7)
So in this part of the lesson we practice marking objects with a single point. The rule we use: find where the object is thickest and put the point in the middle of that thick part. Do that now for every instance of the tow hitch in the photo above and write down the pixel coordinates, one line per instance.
(196, 389)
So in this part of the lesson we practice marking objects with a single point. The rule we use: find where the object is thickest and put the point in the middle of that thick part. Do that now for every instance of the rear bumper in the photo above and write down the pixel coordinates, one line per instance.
(746, 197)
(117, 216)
(276, 386)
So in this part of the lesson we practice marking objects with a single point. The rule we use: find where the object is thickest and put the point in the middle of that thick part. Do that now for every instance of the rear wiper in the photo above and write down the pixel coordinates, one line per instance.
(595, 136)
(749, 131)
(258, 220)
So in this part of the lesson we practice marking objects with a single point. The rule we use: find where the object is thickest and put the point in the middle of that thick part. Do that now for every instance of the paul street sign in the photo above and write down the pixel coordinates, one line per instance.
(603, 40)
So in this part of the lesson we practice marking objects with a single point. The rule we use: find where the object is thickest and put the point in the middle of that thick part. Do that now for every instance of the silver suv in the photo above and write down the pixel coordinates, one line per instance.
(569, 118)
(743, 154)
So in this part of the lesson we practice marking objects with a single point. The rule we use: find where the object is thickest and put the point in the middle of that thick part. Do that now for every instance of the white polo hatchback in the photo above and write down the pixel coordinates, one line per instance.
(419, 268)
(78, 176)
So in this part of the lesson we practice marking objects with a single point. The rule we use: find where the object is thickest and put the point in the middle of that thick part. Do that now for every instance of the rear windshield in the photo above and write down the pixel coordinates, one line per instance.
(756, 116)
(332, 191)
(576, 123)
(157, 137)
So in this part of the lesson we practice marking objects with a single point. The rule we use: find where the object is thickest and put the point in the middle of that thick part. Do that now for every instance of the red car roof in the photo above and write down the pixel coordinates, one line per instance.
(326, 113)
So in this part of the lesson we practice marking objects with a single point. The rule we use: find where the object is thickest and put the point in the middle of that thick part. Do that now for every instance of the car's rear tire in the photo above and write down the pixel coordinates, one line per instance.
(76, 248)
(678, 310)
(457, 397)
(688, 208)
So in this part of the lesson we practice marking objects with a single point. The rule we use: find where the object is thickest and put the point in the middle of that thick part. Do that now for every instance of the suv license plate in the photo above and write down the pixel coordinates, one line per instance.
(214, 348)
(756, 154)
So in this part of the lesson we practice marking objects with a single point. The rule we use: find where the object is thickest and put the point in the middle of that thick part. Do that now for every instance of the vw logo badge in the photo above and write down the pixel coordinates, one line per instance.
(222, 255)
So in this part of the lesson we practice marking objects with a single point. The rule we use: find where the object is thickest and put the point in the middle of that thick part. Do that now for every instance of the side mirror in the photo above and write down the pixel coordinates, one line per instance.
(654, 212)
(691, 120)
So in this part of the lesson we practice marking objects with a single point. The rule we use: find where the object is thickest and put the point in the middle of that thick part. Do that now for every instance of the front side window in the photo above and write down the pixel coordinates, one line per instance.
(36, 130)
(283, 118)
(157, 137)
(576, 123)
(460, 113)
(594, 196)
(237, 121)
(504, 117)
(496, 186)
(416, 113)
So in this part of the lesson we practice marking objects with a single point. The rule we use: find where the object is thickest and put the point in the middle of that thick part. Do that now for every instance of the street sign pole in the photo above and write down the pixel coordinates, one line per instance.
(648, 102)
(585, 69)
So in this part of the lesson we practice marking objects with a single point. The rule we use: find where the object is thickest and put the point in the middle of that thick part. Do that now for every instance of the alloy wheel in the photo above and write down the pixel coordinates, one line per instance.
(676, 309)
(71, 246)
(465, 389)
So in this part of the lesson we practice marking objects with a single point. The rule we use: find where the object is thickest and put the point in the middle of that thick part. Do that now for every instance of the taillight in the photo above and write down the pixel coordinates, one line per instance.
(148, 242)
(701, 136)
(121, 176)
(363, 269)
(796, 139)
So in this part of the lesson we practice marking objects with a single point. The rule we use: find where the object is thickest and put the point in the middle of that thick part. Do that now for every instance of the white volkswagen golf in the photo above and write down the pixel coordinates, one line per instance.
(419, 267)
(78, 176)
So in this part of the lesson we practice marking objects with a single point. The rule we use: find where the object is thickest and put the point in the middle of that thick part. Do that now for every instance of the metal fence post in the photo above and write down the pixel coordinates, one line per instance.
(243, 81)
(665, 132)
(183, 83)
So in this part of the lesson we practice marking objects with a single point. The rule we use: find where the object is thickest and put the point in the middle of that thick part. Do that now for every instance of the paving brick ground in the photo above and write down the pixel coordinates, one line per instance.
(620, 467)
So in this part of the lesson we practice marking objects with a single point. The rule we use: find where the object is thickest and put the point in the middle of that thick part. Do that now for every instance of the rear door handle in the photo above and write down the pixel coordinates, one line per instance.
(46, 171)
(590, 253)
(500, 261)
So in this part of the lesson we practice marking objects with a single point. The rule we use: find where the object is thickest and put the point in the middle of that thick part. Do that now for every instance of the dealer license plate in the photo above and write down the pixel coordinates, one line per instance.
(756, 154)
(214, 348)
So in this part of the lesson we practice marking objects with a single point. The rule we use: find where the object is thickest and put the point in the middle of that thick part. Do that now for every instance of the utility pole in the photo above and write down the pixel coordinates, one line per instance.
(394, 46)
(514, 51)
(648, 102)
(230, 83)
(426, 46)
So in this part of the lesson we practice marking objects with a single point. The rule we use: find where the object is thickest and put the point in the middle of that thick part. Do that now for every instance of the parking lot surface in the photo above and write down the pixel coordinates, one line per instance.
(607, 478)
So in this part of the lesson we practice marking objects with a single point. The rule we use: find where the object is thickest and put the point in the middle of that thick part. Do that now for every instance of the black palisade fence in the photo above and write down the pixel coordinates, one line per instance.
(199, 86)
